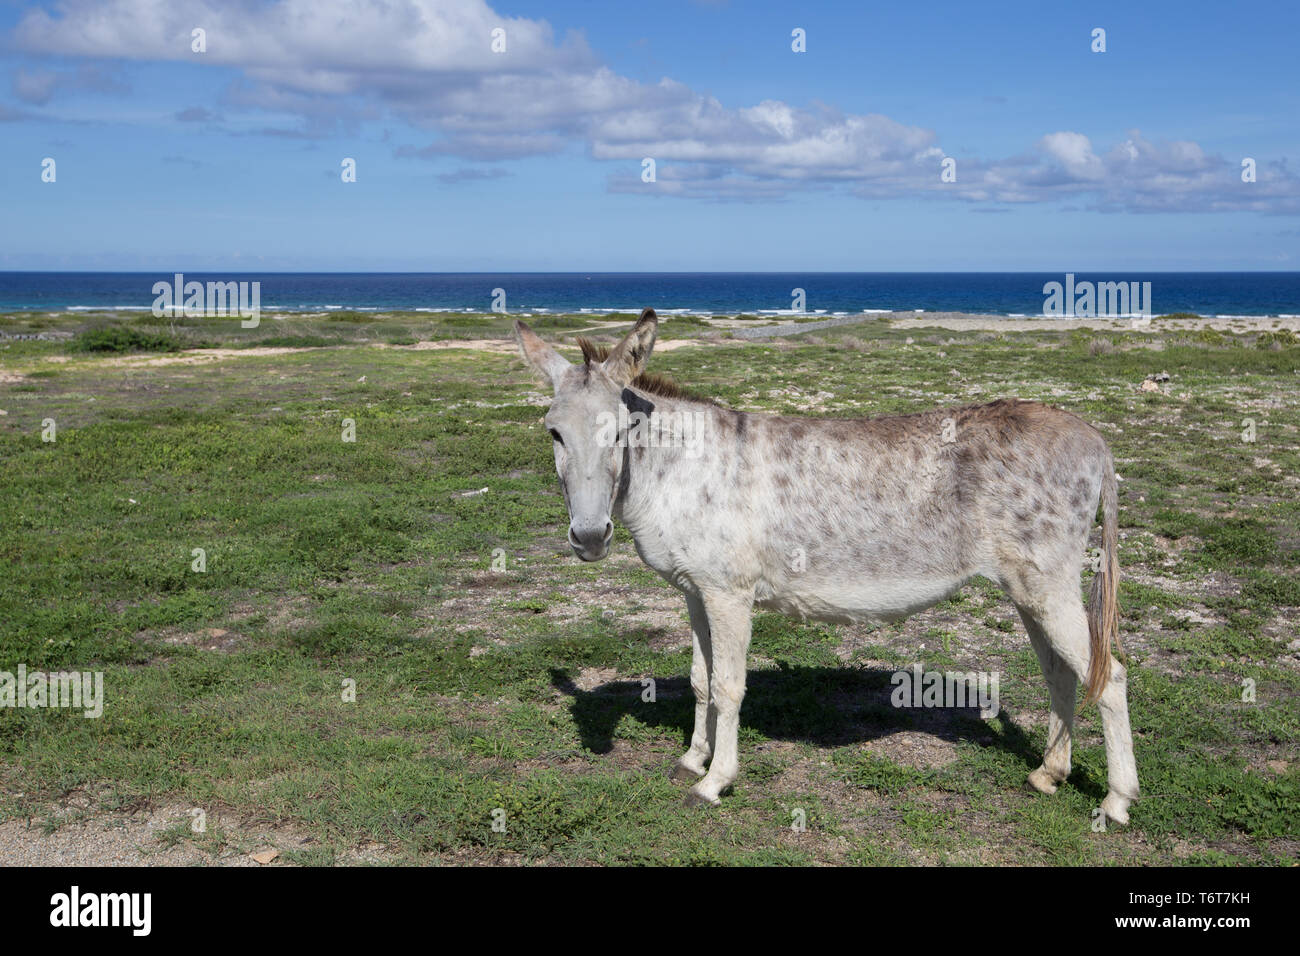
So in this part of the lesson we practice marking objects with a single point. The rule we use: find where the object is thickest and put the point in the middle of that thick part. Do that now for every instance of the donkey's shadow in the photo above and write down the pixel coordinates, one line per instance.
(824, 706)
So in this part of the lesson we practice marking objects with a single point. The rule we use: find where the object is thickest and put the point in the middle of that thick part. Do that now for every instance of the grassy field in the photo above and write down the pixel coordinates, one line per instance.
(425, 561)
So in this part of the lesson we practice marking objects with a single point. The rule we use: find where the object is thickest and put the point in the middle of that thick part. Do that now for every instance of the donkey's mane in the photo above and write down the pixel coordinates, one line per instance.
(650, 382)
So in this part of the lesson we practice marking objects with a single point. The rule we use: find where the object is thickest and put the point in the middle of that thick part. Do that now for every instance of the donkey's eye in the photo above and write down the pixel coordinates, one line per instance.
(556, 436)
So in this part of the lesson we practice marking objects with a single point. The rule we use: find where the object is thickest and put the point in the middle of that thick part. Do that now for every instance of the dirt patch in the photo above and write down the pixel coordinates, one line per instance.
(592, 677)
(912, 748)
(197, 356)
(164, 836)
(480, 345)
(207, 638)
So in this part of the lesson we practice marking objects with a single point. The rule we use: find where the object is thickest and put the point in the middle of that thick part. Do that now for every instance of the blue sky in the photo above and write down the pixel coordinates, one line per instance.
(766, 159)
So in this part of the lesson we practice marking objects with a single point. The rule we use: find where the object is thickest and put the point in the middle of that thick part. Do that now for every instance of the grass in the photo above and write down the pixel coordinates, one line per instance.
(498, 680)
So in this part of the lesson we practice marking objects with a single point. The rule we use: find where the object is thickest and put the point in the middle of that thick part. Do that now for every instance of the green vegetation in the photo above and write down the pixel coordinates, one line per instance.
(124, 339)
(494, 672)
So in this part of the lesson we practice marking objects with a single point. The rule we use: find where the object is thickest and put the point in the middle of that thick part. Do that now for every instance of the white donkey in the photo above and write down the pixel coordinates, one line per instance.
(883, 517)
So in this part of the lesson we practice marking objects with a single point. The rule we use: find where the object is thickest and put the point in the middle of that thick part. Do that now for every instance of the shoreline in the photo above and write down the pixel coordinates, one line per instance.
(970, 322)
(753, 321)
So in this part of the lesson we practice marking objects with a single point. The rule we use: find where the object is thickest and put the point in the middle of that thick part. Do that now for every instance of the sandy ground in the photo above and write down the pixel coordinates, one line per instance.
(966, 322)
(136, 839)
(195, 356)
(962, 322)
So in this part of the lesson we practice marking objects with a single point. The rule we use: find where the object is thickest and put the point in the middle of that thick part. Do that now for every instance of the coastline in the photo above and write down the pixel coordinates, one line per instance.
(966, 322)
(751, 321)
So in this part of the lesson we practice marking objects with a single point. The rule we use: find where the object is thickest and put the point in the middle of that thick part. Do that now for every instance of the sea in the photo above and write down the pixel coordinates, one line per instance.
(1011, 294)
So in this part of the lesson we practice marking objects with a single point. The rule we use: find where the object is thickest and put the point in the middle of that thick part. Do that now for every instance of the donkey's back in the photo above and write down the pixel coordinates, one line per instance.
(868, 519)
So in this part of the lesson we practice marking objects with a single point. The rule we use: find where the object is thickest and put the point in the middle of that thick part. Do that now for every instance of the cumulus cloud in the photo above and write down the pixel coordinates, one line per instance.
(1072, 153)
(1136, 175)
(38, 87)
(334, 64)
(307, 44)
(770, 141)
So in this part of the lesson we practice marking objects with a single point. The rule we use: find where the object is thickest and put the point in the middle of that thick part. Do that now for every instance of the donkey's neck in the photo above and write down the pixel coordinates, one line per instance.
(673, 447)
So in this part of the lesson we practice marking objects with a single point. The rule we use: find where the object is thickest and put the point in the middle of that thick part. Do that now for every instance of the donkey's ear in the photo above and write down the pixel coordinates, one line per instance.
(539, 355)
(628, 358)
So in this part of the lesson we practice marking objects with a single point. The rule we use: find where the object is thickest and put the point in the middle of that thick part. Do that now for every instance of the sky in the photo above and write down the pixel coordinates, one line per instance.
(1058, 157)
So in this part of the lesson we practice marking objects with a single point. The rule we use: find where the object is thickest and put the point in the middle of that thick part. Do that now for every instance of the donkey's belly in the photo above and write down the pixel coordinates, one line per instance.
(856, 601)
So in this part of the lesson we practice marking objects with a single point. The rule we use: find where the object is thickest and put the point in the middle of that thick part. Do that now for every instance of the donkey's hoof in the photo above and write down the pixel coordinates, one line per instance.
(684, 773)
(1116, 808)
(694, 798)
(1042, 781)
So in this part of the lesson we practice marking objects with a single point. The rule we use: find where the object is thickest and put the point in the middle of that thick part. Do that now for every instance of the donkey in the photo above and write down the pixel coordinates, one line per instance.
(884, 517)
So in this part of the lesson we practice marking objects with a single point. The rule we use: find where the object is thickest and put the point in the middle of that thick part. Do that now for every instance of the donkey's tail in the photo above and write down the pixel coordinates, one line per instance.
(1103, 603)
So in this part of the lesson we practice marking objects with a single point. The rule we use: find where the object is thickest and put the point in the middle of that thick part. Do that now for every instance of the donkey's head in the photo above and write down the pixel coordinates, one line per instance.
(587, 397)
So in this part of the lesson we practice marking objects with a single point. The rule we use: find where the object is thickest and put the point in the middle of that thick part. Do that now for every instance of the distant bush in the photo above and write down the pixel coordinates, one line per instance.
(476, 321)
(116, 338)
(1277, 339)
(1211, 337)
(357, 318)
(155, 321)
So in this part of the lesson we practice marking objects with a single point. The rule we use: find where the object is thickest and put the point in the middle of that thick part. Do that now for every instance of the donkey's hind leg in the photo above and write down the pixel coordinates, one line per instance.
(1061, 684)
(691, 765)
(1065, 623)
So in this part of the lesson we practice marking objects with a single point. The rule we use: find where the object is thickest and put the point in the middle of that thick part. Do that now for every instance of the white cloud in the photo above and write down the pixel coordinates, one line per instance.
(307, 42)
(1073, 151)
(1136, 175)
(336, 63)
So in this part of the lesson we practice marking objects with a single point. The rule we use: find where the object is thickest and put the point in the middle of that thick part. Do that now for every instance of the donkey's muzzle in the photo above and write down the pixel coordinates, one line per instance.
(591, 544)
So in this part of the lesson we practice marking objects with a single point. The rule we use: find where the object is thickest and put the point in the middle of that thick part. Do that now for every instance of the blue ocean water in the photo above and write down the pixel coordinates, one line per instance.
(997, 293)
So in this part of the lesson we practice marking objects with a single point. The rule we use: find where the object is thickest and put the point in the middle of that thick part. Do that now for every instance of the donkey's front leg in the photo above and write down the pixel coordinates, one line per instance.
(691, 766)
(729, 619)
